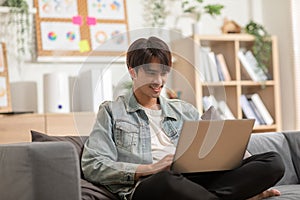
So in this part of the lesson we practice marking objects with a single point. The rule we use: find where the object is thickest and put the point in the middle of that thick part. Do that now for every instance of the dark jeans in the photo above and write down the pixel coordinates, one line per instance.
(256, 174)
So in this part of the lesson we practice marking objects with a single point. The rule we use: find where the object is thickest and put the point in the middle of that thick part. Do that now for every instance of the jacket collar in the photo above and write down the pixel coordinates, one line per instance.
(132, 105)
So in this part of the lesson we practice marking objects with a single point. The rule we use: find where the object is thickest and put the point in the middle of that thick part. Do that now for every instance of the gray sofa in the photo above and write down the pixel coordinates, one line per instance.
(287, 144)
(45, 170)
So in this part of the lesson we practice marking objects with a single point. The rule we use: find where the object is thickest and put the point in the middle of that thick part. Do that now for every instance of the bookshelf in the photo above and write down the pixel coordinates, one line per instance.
(188, 79)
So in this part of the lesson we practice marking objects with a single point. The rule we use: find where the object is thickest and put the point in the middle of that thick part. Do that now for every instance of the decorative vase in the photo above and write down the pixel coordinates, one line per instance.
(197, 28)
(175, 34)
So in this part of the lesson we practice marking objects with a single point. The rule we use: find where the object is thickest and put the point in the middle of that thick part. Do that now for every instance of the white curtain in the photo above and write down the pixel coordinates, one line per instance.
(295, 8)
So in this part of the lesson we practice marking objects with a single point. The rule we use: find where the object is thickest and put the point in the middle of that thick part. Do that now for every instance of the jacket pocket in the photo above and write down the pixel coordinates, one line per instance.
(126, 135)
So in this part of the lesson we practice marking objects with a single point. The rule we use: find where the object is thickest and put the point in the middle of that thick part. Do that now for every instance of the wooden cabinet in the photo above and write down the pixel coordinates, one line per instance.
(16, 128)
(187, 79)
(69, 124)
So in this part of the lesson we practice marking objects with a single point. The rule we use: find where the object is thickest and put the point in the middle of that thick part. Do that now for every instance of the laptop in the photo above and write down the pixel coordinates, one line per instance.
(212, 145)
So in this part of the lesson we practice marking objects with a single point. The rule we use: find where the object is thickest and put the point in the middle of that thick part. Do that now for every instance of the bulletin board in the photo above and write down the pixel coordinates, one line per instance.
(81, 27)
(5, 97)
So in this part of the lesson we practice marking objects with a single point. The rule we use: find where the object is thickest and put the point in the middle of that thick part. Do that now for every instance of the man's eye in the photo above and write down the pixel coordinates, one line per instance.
(151, 73)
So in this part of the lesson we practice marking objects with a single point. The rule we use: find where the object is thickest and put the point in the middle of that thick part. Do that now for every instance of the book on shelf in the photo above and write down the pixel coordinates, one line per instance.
(209, 66)
(204, 63)
(209, 101)
(201, 66)
(220, 106)
(223, 66)
(213, 67)
(219, 69)
(256, 112)
(247, 110)
(250, 65)
(262, 109)
(253, 62)
(225, 110)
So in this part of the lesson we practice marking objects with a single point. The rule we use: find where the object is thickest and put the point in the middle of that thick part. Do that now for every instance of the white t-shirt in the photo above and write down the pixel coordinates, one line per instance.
(160, 143)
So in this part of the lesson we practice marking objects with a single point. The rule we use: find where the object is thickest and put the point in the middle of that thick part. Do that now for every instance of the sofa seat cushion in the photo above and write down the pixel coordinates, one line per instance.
(288, 192)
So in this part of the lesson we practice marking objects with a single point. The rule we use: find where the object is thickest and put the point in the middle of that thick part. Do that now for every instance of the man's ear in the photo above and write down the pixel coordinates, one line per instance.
(132, 72)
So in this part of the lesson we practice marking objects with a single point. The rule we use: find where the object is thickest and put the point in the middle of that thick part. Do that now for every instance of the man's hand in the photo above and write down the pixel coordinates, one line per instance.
(162, 165)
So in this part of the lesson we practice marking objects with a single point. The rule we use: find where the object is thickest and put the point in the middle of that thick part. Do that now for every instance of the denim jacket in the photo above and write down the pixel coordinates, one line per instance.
(120, 140)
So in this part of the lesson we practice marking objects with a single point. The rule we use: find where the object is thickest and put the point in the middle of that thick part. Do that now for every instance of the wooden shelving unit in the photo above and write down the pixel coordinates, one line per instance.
(187, 79)
(16, 128)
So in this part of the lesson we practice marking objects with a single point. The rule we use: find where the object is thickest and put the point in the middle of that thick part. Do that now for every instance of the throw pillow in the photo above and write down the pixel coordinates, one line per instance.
(77, 141)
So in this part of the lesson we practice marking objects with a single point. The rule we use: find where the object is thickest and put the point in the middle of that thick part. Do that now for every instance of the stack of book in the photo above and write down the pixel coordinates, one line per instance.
(220, 106)
(212, 67)
(250, 65)
(254, 108)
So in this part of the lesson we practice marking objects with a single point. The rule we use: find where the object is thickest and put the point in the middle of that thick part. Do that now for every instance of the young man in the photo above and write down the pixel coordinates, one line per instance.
(131, 147)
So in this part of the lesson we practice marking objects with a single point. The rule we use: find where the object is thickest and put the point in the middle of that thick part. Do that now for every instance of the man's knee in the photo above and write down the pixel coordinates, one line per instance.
(168, 178)
(275, 165)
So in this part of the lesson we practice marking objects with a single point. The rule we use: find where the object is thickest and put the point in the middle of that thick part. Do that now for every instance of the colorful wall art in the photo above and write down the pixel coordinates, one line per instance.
(57, 8)
(106, 9)
(60, 36)
(81, 27)
(109, 37)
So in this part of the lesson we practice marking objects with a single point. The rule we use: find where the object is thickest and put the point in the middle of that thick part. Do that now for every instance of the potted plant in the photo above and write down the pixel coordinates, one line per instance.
(195, 9)
(19, 19)
(155, 13)
(262, 46)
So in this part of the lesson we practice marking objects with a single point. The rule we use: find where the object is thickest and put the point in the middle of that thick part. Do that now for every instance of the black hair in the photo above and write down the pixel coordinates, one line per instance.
(142, 51)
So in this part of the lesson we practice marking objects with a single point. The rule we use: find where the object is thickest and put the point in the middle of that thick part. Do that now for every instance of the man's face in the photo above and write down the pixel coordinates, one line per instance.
(150, 79)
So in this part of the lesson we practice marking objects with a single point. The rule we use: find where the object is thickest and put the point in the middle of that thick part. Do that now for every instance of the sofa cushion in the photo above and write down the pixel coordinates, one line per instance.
(293, 138)
(275, 141)
(77, 141)
(89, 191)
(288, 192)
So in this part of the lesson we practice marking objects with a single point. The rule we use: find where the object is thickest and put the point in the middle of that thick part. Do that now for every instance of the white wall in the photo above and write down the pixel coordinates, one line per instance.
(34, 71)
(277, 20)
(295, 7)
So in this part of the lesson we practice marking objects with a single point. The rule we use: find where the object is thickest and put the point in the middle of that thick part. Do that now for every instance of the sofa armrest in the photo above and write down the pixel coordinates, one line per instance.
(293, 138)
(48, 170)
(275, 141)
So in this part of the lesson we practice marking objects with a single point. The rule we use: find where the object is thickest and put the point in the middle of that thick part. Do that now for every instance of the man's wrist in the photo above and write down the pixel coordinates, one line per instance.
(143, 170)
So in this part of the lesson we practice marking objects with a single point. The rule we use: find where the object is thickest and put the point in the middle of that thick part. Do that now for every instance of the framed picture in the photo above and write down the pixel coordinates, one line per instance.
(5, 97)
(81, 28)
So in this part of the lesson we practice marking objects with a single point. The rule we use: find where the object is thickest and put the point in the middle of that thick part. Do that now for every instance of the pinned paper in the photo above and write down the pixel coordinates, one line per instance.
(84, 46)
(77, 20)
(91, 21)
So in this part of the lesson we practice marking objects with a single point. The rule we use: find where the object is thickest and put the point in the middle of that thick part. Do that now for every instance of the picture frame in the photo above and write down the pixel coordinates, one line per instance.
(98, 28)
(5, 95)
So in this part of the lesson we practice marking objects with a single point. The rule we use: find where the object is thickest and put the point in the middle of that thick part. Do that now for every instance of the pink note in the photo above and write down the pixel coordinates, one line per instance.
(77, 20)
(91, 21)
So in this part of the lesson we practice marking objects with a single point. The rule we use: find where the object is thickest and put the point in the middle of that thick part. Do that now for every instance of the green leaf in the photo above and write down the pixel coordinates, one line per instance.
(213, 9)
(262, 47)
(190, 9)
